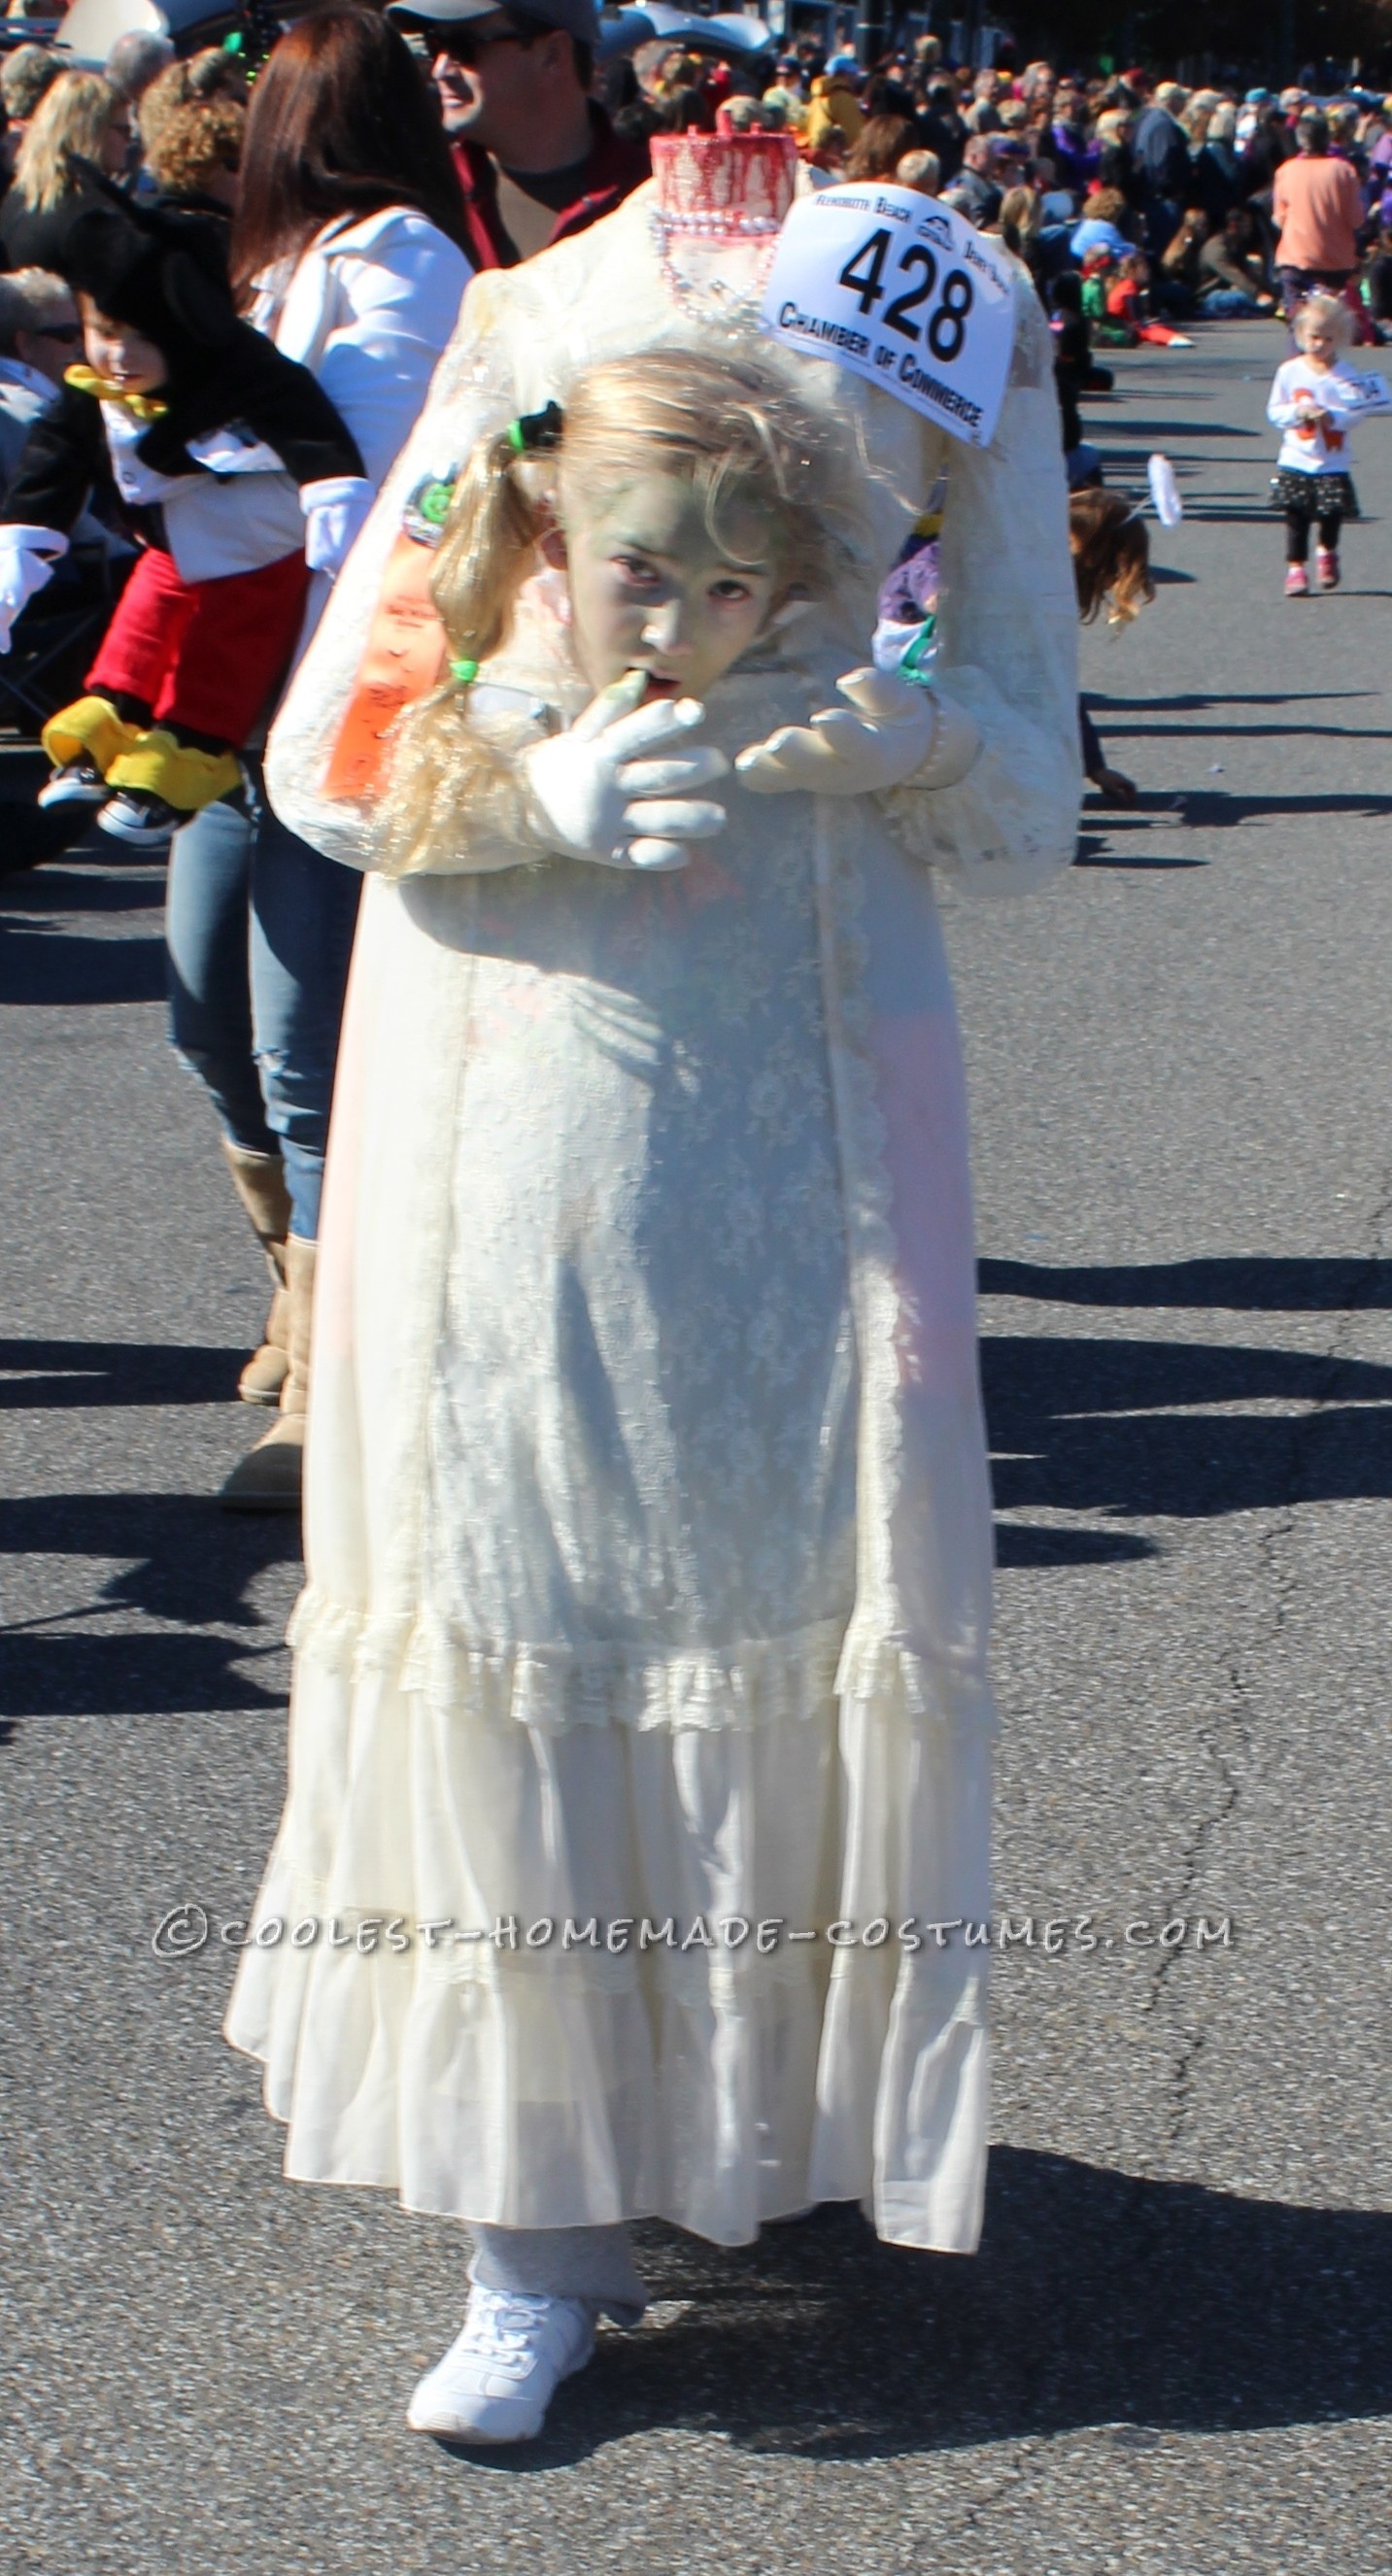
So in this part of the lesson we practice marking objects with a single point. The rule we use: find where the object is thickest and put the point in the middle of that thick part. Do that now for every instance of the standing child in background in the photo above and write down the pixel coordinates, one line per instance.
(1111, 566)
(1314, 400)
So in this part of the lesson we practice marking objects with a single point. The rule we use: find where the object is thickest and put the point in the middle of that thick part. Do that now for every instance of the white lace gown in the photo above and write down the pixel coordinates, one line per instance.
(648, 1525)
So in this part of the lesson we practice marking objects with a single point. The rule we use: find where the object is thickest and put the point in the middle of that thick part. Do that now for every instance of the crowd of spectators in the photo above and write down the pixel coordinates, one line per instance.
(1203, 202)
(1140, 207)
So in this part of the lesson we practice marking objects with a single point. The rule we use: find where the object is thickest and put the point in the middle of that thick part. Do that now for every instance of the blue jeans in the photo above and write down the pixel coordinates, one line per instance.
(1227, 302)
(259, 930)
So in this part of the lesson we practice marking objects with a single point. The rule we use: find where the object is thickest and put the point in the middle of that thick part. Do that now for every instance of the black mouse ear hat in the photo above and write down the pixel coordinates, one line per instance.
(162, 271)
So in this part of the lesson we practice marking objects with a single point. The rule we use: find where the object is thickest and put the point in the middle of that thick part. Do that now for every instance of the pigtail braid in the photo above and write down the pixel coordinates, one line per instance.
(443, 764)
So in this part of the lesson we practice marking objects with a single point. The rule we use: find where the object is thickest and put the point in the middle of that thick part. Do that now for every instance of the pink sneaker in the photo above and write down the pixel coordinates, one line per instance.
(1327, 567)
(1297, 582)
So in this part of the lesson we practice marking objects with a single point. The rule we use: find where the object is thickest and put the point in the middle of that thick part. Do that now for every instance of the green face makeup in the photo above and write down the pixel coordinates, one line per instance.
(652, 590)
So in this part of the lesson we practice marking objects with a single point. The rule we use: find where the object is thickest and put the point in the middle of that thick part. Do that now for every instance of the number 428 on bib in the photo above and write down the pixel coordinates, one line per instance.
(902, 291)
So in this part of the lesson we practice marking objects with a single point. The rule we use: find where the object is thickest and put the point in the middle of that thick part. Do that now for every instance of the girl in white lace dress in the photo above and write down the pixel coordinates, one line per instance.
(640, 1676)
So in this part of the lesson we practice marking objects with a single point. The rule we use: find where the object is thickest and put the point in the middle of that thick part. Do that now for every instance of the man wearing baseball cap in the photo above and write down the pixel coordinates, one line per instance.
(537, 156)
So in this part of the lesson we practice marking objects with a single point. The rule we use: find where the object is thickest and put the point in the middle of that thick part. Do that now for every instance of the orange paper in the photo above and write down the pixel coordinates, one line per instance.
(403, 658)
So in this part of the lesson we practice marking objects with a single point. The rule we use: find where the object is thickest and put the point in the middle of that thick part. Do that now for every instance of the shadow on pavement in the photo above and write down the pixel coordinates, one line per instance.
(31, 833)
(1213, 809)
(44, 962)
(60, 1374)
(174, 1557)
(134, 1675)
(1094, 853)
(1097, 2299)
(1241, 732)
(1197, 809)
(1144, 1427)
(1125, 424)
(1023, 1548)
(1192, 705)
(1260, 1285)
(1202, 514)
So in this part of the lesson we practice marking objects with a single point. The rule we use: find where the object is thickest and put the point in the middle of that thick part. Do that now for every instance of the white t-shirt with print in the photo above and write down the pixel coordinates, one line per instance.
(1299, 394)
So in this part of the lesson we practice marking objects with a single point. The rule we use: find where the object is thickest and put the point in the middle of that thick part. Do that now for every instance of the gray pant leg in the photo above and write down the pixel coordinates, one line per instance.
(562, 2263)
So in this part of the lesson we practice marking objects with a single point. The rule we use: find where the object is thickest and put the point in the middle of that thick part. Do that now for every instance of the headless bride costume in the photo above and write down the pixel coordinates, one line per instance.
(647, 1508)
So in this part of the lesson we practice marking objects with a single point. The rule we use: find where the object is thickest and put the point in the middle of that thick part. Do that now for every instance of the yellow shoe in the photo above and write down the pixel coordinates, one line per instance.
(89, 729)
(157, 764)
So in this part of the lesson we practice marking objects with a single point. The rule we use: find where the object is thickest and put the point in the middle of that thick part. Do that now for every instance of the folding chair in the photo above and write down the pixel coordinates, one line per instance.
(57, 637)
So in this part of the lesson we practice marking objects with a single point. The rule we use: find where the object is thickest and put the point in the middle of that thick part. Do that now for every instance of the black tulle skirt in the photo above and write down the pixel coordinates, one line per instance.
(1314, 496)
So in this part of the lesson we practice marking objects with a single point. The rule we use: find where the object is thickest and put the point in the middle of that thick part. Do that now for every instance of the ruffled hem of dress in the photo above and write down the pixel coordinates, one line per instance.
(765, 1681)
(893, 1673)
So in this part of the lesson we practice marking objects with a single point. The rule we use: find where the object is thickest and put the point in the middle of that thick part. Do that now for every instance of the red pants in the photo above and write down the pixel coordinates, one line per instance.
(202, 654)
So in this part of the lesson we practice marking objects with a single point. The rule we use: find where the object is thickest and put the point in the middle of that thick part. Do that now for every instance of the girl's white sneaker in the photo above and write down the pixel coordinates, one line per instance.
(500, 2375)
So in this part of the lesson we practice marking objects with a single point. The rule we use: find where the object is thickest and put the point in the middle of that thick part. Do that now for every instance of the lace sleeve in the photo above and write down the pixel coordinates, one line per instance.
(1008, 646)
(472, 392)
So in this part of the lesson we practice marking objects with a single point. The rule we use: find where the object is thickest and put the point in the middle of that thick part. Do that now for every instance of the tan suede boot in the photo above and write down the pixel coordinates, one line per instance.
(259, 1181)
(268, 1478)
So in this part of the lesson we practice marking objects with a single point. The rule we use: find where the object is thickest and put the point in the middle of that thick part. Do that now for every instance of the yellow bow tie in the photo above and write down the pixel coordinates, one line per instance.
(85, 380)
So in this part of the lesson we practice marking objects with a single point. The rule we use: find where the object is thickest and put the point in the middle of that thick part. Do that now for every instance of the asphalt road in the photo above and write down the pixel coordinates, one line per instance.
(1173, 2354)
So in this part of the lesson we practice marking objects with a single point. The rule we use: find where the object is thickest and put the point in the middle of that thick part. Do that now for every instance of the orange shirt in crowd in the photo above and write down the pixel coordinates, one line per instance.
(1318, 205)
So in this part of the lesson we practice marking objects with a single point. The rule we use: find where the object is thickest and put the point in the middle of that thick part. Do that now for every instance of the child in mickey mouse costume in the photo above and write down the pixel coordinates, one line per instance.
(640, 1725)
(240, 479)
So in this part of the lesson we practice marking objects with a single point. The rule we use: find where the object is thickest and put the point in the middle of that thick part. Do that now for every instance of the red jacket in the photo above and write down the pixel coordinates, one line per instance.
(614, 169)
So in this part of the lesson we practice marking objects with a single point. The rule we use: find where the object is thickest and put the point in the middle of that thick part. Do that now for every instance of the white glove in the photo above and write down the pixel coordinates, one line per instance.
(1164, 492)
(593, 798)
(27, 558)
(334, 511)
(892, 735)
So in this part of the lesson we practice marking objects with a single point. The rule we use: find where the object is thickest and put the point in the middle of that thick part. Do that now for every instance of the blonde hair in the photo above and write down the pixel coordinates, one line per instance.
(730, 427)
(1019, 217)
(72, 116)
(1323, 313)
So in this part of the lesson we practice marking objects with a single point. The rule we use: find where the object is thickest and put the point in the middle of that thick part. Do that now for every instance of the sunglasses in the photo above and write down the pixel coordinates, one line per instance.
(462, 43)
(67, 334)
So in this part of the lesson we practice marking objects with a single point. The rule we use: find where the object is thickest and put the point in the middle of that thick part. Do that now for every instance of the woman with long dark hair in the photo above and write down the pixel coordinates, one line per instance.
(338, 127)
(346, 250)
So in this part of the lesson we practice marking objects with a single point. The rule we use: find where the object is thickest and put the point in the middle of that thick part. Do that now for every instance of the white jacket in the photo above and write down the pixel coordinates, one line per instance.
(368, 308)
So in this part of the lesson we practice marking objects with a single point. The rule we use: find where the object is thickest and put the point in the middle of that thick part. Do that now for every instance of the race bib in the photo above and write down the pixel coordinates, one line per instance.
(902, 291)
(1358, 393)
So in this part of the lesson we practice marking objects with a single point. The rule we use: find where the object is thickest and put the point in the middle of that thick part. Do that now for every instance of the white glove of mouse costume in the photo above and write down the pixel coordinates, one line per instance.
(27, 558)
(592, 797)
(889, 732)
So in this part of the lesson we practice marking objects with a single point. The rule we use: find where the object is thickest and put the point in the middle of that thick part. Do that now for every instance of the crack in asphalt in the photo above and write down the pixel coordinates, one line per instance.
(1228, 1743)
